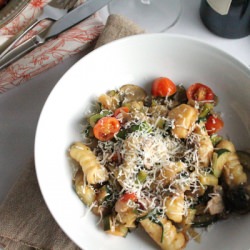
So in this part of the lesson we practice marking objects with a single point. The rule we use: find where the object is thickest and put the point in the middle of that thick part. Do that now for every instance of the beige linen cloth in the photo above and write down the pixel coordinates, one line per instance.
(25, 221)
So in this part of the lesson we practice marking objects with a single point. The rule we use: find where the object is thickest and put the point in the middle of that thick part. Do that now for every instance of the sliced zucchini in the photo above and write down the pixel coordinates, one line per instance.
(144, 126)
(244, 158)
(85, 192)
(142, 176)
(218, 161)
(215, 139)
(120, 230)
(206, 109)
(106, 221)
(221, 151)
(93, 119)
(204, 220)
(117, 230)
(122, 134)
(103, 193)
(89, 132)
(161, 123)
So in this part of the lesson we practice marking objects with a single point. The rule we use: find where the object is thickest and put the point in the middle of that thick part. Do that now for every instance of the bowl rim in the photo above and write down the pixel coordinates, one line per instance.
(221, 52)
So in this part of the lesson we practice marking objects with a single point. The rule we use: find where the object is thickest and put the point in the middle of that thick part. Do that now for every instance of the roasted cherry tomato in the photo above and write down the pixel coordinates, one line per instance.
(128, 196)
(105, 128)
(120, 110)
(213, 124)
(200, 92)
(163, 87)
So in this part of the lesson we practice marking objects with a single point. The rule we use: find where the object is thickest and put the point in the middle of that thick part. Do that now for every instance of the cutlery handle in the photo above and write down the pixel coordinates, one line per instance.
(19, 51)
(9, 45)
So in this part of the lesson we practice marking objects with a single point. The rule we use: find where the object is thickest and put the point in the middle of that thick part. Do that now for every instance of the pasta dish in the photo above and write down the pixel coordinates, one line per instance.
(157, 161)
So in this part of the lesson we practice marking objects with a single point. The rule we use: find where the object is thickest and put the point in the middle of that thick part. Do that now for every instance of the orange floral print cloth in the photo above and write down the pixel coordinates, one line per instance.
(52, 52)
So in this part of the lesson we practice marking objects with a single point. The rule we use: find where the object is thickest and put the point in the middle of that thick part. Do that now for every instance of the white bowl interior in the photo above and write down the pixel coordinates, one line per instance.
(136, 60)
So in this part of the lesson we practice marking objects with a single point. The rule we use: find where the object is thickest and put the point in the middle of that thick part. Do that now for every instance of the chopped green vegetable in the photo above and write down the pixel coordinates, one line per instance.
(221, 151)
(122, 134)
(89, 132)
(219, 159)
(161, 123)
(204, 220)
(118, 230)
(106, 223)
(104, 193)
(206, 109)
(142, 176)
(144, 126)
(156, 221)
(93, 119)
(111, 93)
(215, 139)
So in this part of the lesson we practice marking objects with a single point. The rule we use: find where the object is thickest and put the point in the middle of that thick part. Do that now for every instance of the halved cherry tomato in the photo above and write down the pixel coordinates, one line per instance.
(200, 92)
(162, 87)
(120, 110)
(214, 124)
(128, 196)
(105, 128)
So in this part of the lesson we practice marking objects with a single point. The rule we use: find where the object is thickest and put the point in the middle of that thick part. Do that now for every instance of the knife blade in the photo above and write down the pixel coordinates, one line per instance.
(72, 18)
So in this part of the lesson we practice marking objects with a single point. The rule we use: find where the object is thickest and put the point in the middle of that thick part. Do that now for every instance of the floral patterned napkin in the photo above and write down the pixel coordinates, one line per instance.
(52, 52)
(25, 221)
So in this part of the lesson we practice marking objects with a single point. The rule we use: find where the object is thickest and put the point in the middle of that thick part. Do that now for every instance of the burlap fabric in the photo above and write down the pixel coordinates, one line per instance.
(25, 221)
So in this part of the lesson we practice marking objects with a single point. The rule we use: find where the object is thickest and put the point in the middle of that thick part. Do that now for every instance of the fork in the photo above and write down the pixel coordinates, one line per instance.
(54, 10)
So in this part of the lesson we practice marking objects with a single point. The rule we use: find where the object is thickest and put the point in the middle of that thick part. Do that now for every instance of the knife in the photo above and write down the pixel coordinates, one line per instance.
(54, 10)
(72, 18)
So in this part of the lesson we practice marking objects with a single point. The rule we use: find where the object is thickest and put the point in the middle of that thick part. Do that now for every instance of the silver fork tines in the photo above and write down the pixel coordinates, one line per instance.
(54, 10)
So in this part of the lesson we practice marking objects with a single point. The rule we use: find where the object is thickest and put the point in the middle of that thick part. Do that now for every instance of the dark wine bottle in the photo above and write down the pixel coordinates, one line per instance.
(231, 20)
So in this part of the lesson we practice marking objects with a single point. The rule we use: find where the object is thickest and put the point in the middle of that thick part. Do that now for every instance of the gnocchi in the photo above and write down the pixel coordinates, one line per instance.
(152, 161)
(91, 167)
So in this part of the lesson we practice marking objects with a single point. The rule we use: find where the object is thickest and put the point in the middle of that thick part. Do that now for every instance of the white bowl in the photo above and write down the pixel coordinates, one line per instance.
(138, 60)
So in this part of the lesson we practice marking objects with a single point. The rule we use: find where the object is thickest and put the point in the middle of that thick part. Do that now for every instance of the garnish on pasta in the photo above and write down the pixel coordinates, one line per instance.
(156, 161)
